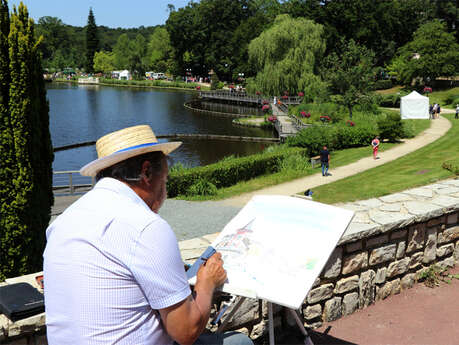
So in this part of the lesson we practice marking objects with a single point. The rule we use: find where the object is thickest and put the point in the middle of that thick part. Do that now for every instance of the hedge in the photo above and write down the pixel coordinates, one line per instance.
(149, 83)
(229, 171)
(383, 84)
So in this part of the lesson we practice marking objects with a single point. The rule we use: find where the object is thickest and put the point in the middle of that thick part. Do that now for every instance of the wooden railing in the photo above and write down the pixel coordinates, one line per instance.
(69, 182)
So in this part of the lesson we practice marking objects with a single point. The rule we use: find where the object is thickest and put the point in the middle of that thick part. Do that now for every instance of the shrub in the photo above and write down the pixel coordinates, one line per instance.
(391, 101)
(452, 165)
(383, 84)
(230, 171)
(390, 127)
(296, 162)
(202, 187)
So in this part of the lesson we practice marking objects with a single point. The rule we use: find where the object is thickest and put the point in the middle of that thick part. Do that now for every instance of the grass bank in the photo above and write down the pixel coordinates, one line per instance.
(295, 170)
(418, 168)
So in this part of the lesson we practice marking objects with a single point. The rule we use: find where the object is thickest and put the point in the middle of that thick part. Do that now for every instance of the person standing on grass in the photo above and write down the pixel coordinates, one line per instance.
(325, 161)
(375, 145)
(457, 112)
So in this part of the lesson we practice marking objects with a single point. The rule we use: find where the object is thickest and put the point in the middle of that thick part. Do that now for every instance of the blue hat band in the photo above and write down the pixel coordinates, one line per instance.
(136, 147)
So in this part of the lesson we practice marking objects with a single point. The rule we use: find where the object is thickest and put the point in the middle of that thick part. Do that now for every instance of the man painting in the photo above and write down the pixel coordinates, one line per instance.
(112, 267)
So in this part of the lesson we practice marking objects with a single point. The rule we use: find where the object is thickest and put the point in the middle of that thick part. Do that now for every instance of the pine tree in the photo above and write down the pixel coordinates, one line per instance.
(25, 146)
(92, 41)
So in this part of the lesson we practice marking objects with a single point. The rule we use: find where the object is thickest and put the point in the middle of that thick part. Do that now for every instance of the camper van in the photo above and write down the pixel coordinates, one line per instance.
(155, 75)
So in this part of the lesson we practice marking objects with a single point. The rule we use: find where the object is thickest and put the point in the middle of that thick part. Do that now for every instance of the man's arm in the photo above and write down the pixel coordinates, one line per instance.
(185, 321)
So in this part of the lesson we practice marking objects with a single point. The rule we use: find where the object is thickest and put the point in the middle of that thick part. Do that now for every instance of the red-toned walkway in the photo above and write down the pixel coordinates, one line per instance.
(417, 316)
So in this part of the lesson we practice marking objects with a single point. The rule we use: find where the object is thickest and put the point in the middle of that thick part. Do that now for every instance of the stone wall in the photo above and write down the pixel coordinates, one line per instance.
(391, 240)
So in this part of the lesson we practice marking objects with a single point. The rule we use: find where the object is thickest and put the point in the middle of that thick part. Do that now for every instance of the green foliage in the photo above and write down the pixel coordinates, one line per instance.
(229, 171)
(92, 41)
(296, 162)
(390, 127)
(434, 275)
(25, 147)
(350, 74)
(383, 84)
(452, 165)
(333, 110)
(160, 51)
(121, 50)
(104, 62)
(432, 53)
(149, 83)
(201, 187)
(286, 57)
(215, 82)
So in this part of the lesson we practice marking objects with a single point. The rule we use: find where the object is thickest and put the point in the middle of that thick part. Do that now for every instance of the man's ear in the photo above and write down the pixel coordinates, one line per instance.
(145, 172)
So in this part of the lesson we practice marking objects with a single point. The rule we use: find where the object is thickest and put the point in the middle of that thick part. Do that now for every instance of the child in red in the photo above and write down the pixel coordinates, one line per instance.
(375, 144)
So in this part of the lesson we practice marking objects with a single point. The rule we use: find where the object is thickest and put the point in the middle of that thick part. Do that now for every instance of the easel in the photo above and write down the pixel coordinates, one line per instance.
(221, 328)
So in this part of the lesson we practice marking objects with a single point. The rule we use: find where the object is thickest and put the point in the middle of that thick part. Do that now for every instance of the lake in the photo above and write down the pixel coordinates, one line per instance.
(84, 113)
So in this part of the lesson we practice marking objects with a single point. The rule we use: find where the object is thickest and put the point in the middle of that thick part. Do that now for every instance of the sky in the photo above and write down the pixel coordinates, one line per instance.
(111, 13)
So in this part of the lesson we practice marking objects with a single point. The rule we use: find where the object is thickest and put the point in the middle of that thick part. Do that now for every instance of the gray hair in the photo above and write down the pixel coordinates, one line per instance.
(130, 170)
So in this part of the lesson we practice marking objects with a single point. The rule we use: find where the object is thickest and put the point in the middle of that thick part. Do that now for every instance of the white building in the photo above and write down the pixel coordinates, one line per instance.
(121, 75)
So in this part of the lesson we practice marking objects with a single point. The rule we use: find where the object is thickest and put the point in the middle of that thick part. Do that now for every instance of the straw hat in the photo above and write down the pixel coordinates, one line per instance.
(123, 144)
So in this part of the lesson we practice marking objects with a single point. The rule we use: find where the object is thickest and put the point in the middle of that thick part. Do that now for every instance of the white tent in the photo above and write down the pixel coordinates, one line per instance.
(414, 106)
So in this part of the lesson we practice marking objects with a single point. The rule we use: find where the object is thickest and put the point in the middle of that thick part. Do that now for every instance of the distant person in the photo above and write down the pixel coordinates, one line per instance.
(431, 111)
(457, 112)
(438, 111)
(434, 110)
(375, 145)
(325, 161)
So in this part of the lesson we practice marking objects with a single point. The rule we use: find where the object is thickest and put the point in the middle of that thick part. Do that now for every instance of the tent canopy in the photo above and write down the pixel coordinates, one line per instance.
(414, 106)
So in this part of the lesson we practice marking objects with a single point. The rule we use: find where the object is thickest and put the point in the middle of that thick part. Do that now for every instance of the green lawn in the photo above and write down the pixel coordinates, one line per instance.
(338, 158)
(419, 168)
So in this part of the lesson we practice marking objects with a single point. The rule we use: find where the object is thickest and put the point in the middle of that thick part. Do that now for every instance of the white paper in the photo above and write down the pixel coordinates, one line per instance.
(276, 246)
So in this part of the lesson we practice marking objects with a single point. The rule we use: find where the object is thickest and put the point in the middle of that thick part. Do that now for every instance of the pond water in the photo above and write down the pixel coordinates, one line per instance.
(84, 113)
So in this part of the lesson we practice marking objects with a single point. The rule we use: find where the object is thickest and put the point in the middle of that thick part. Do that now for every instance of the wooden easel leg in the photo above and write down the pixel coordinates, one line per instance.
(230, 315)
(307, 338)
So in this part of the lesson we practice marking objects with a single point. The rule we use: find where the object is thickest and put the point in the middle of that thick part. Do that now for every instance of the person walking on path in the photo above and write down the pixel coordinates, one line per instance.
(375, 145)
(438, 111)
(113, 269)
(434, 111)
(457, 112)
(325, 160)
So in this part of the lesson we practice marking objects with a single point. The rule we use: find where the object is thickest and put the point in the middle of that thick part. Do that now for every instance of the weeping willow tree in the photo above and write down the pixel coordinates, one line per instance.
(286, 57)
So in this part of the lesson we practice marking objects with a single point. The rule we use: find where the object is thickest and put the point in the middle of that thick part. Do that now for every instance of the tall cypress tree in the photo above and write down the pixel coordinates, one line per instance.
(25, 146)
(92, 41)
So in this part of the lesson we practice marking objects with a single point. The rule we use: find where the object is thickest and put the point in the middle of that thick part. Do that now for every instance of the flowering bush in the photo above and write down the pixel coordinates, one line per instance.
(265, 108)
(272, 119)
(258, 93)
(325, 118)
(301, 94)
(427, 89)
(350, 123)
(198, 87)
(305, 114)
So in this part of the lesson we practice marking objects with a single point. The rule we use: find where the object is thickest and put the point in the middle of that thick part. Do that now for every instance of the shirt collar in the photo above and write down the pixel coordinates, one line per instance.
(120, 188)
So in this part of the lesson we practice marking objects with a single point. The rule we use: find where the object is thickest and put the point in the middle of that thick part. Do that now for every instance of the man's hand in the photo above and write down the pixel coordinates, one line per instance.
(186, 320)
(212, 273)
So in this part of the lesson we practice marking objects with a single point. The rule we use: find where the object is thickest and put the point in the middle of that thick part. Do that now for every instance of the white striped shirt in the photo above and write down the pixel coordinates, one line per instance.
(110, 263)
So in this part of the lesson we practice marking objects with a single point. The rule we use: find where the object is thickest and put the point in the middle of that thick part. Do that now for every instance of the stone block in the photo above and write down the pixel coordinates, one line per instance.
(346, 284)
(449, 203)
(350, 303)
(355, 262)
(249, 312)
(449, 235)
(395, 207)
(430, 250)
(408, 281)
(390, 220)
(384, 291)
(398, 234)
(321, 293)
(381, 275)
(382, 254)
(416, 236)
(456, 251)
(366, 288)
(353, 247)
(376, 241)
(445, 250)
(397, 197)
(416, 260)
(435, 221)
(400, 250)
(398, 267)
(423, 210)
(370, 203)
(451, 219)
(333, 267)
(447, 263)
(259, 330)
(423, 192)
(395, 287)
(316, 282)
(312, 311)
(332, 309)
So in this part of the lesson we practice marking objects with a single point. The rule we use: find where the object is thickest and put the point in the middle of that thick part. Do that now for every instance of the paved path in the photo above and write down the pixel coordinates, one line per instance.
(437, 129)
